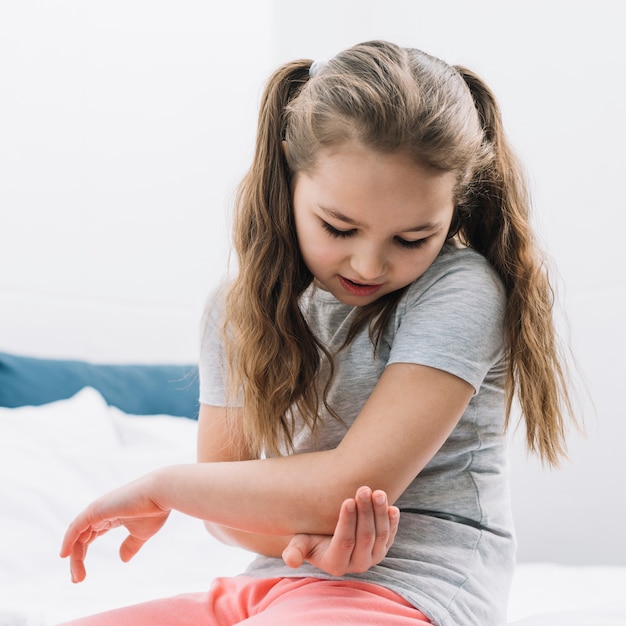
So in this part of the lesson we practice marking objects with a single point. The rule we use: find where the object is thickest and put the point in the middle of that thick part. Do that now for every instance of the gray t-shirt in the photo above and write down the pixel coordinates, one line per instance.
(453, 556)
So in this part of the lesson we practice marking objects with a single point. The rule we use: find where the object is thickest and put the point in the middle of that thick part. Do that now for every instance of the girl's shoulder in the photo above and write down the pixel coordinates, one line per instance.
(456, 257)
(458, 274)
(451, 317)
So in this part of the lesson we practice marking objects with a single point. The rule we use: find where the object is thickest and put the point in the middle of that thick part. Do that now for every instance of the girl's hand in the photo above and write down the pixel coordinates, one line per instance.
(364, 533)
(129, 506)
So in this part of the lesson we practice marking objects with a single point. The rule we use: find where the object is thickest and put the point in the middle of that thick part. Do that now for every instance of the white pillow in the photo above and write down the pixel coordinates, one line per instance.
(54, 460)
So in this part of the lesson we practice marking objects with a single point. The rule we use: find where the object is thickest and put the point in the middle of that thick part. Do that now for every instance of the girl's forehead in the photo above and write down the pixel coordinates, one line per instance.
(362, 185)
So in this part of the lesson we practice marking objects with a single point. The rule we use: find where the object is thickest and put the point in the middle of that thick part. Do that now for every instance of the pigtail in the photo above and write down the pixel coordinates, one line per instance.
(273, 357)
(494, 220)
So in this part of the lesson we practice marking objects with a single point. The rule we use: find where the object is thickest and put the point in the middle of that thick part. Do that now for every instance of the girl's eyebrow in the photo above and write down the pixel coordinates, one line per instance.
(348, 220)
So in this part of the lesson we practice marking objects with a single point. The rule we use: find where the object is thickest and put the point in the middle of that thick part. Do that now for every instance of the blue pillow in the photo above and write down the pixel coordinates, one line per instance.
(136, 389)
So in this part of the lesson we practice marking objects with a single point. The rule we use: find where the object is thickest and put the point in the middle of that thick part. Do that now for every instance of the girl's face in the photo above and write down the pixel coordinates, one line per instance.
(369, 223)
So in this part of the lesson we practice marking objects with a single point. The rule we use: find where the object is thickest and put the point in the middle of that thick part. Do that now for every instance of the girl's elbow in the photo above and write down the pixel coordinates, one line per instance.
(220, 533)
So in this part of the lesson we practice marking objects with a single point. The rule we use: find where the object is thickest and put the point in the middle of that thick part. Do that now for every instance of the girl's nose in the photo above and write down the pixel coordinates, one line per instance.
(369, 265)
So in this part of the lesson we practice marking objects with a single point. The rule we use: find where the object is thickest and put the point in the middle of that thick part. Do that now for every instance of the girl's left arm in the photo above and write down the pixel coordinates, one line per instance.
(408, 417)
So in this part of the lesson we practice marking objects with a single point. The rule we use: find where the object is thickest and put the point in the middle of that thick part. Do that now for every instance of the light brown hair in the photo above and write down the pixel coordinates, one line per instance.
(389, 99)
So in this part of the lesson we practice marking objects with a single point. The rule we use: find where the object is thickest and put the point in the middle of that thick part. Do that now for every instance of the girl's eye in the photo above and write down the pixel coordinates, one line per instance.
(343, 234)
(411, 245)
(335, 232)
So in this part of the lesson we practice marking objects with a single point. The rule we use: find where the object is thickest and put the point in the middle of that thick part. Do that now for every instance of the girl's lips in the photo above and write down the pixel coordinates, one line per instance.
(357, 289)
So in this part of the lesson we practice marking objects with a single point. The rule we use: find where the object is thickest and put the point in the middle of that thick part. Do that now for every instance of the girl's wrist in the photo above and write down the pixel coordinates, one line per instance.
(160, 486)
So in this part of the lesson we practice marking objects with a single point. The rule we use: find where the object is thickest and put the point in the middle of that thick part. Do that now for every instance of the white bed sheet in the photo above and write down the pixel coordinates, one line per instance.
(54, 459)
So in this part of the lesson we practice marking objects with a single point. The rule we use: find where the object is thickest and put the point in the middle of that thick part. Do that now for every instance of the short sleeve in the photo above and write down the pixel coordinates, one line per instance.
(452, 318)
(212, 368)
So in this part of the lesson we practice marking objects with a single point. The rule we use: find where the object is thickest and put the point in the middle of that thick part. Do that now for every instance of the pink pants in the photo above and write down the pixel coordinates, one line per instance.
(270, 602)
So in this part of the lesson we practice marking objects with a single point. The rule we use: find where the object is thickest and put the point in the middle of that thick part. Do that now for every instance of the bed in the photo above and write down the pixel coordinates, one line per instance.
(71, 429)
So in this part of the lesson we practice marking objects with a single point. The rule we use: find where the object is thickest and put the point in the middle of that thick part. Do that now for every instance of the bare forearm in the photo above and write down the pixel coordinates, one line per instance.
(267, 545)
(280, 496)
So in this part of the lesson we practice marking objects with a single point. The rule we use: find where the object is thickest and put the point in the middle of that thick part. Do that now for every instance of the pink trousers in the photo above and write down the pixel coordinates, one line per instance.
(270, 602)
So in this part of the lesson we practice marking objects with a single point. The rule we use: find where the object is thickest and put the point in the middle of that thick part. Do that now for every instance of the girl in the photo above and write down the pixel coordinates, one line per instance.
(390, 303)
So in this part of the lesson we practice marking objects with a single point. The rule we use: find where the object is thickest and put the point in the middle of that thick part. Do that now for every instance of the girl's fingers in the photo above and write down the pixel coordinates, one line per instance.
(84, 529)
(77, 562)
(344, 536)
(300, 548)
(130, 546)
(75, 544)
(377, 526)
(365, 530)
(380, 506)
(344, 540)
(293, 555)
(72, 535)
(394, 520)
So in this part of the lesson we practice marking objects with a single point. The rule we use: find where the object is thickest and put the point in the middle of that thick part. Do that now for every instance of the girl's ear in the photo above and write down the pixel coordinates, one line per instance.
(285, 149)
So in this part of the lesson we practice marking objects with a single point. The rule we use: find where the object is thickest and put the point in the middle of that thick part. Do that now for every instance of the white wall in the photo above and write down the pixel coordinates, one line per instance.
(125, 125)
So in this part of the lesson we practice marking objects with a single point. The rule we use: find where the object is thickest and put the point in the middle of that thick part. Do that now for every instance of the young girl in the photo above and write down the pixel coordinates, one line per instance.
(390, 303)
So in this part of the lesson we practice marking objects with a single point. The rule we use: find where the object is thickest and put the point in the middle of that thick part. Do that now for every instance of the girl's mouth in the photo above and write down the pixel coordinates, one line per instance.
(358, 289)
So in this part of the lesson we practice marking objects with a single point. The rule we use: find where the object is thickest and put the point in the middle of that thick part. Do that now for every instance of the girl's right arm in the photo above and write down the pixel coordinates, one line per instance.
(365, 530)
(403, 423)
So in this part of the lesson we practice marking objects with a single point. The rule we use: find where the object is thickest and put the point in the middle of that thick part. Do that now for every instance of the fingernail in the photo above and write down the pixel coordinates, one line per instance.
(380, 498)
